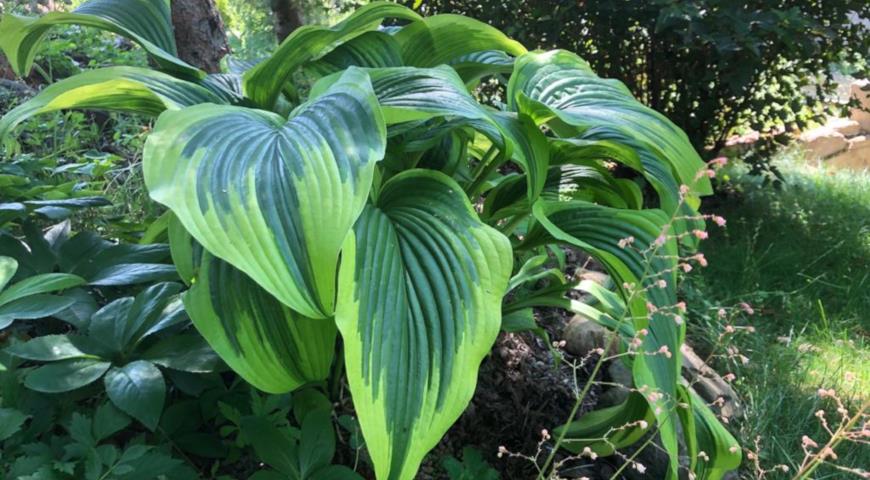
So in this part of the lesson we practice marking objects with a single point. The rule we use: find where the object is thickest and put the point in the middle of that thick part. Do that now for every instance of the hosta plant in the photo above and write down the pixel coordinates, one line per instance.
(352, 186)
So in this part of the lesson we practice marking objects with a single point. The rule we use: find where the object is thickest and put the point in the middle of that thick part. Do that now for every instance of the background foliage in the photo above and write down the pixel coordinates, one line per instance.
(709, 65)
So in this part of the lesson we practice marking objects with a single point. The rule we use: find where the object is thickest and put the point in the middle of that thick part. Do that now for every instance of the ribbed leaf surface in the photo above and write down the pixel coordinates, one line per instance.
(125, 89)
(413, 94)
(560, 85)
(474, 66)
(146, 22)
(272, 347)
(264, 82)
(440, 39)
(272, 197)
(420, 290)
(370, 50)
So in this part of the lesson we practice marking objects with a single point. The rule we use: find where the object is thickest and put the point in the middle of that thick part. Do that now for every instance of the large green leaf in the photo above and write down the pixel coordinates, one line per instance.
(420, 288)
(274, 198)
(560, 88)
(440, 39)
(8, 267)
(146, 22)
(474, 66)
(603, 430)
(371, 49)
(269, 345)
(723, 451)
(126, 89)
(598, 231)
(264, 82)
(586, 181)
(409, 94)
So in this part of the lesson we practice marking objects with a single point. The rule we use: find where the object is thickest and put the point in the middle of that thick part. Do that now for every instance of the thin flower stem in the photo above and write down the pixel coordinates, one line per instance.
(561, 437)
(630, 460)
(838, 436)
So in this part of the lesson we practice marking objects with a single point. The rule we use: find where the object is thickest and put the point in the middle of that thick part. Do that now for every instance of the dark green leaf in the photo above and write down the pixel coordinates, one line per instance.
(11, 421)
(65, 375)
(187, 352)
(50, 348)
(139, 390)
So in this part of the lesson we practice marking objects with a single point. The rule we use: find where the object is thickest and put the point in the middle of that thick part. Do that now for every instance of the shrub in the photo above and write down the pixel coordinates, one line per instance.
(709, 65)
(351, 185)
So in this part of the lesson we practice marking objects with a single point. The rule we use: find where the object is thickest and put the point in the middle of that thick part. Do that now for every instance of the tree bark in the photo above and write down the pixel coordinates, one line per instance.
(6, 69)
(287, 16)
(199, 33)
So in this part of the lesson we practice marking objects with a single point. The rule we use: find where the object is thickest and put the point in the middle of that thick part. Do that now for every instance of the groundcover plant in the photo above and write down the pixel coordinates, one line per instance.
(352, 185)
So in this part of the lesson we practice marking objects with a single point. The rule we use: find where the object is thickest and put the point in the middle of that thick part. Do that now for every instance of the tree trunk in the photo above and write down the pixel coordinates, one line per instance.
(199, 33)
(287, 16)
(6, 69)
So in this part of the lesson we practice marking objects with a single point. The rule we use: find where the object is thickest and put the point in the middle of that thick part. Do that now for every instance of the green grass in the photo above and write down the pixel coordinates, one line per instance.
(800, 255)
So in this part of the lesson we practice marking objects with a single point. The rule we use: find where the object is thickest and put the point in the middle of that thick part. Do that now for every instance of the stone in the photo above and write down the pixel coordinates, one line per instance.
(844, 126)
(860, 89)
(823, 142)
(621, 381)
(862, 117)
(856, 157)
(600, 278)
(709, 384)
(582, 335)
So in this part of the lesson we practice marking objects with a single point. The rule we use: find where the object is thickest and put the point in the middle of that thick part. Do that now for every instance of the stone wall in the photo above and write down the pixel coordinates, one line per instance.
(844, 142)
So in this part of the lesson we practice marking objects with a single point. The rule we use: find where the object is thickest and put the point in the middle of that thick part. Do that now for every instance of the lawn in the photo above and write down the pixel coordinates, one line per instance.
(800, 256)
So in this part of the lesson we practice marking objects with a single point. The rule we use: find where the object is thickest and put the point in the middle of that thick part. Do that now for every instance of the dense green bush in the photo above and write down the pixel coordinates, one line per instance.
(709, 65)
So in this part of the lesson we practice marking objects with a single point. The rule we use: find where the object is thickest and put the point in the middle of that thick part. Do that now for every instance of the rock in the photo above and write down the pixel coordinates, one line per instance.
(583, 335)
(600, 278)
(862, 117)
(709, 385)
(856, 156)
(860, 89)
(824, 142)
(844, 126)
(622, 380)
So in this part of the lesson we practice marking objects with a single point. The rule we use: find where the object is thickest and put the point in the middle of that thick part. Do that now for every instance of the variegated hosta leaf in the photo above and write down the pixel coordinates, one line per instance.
(264, 82)
(127, 89)
(274, 198)
(440, 39)
(587, 181)
(420, 288)
(146, 22)
(474, 66)
(413, 94)
(560, 88)
(598, 230)
(272, 347)
(371, 50)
